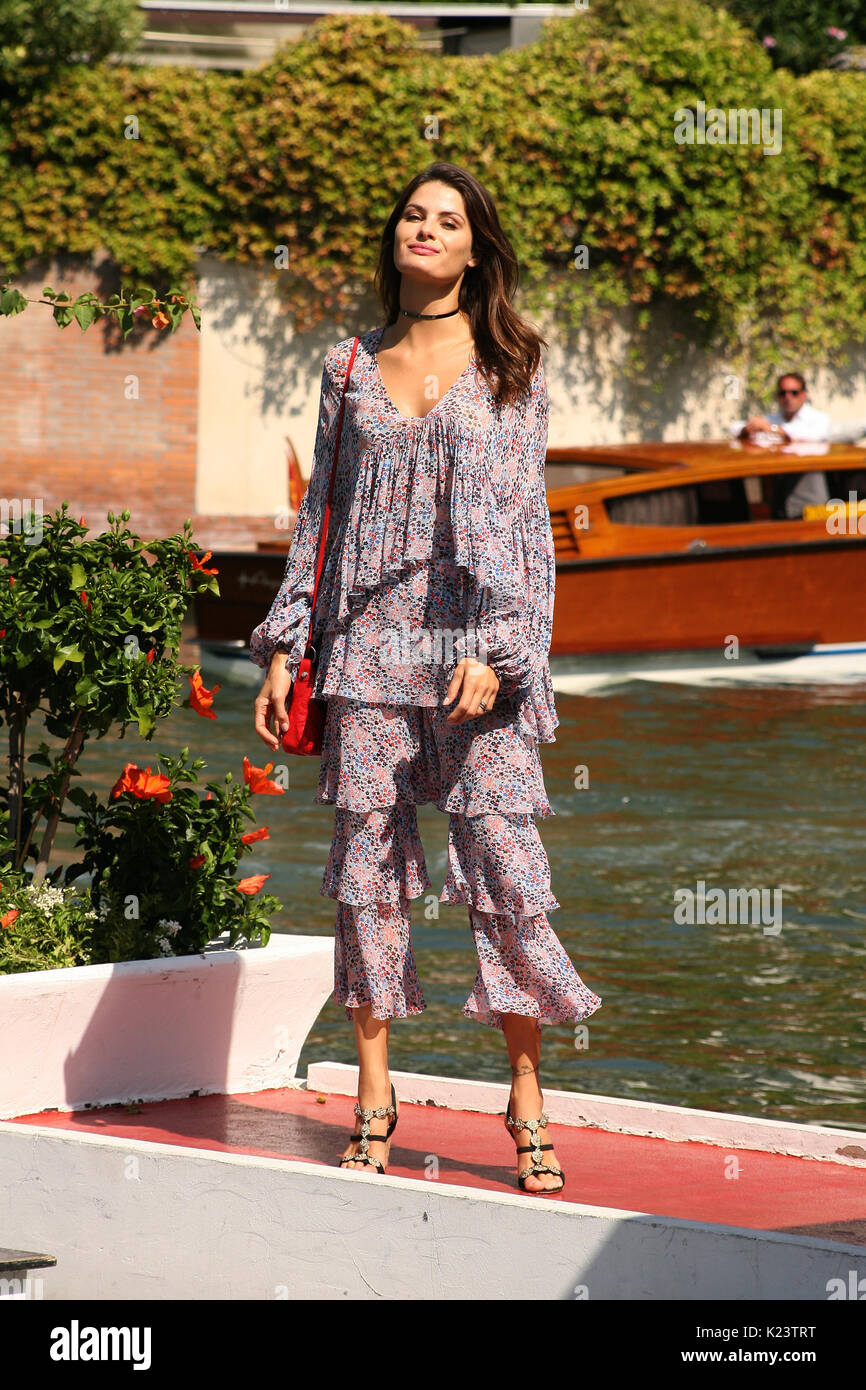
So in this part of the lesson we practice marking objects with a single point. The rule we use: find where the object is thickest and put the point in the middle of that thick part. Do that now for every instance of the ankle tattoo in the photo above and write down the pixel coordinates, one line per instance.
(523, 1071)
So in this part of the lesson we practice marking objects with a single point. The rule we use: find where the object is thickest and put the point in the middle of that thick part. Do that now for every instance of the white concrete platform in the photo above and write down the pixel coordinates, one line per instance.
(224, 1021)
(138, 1220)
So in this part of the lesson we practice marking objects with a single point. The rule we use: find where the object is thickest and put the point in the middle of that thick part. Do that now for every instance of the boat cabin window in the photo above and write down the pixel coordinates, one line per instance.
(570, 474)
(841, 482)
(784, 496)
(720, 502)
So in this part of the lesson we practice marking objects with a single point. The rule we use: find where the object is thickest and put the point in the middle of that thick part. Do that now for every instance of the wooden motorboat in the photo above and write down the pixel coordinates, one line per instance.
(685, 554)
(662, 548)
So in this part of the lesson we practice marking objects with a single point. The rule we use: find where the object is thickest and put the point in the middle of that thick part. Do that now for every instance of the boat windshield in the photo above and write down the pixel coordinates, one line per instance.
(685, 504)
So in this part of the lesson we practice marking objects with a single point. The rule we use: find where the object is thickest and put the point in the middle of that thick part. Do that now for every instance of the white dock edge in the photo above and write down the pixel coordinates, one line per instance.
(129, 1219)
(846, 1146)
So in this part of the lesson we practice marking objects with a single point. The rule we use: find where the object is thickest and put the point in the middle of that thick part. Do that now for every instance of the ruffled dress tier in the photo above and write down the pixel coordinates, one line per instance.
(439, 547)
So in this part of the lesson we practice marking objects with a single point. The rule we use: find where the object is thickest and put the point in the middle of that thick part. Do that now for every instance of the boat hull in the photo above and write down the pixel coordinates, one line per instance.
(781, 604)
(679, 553)
(772, 596)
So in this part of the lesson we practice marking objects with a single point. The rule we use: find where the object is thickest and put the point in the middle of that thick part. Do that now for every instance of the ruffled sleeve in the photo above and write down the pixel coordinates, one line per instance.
(503, 538)
(287, 624)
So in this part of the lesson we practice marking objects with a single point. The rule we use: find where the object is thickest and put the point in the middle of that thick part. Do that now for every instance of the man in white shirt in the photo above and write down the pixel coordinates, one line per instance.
(795, 421)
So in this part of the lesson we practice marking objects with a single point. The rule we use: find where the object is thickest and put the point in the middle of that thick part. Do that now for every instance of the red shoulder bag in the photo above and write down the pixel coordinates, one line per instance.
(306, 715)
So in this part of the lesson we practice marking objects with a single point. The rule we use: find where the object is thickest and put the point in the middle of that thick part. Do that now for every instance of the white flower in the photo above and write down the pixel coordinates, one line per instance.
(46, 895)
(165, 946)
(170, 925)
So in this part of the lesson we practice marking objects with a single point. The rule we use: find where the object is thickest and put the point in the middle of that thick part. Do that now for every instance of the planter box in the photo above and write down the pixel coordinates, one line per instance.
(224, 1021)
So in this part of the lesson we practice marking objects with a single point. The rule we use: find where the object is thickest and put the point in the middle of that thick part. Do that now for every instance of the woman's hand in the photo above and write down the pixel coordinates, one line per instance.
(477, 685)
(270, 703)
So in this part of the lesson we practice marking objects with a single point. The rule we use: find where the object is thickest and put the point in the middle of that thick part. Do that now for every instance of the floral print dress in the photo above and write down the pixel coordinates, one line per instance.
(439, 547)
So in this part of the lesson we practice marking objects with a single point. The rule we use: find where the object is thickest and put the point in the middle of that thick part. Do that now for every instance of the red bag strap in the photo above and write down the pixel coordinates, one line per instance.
(323, 534)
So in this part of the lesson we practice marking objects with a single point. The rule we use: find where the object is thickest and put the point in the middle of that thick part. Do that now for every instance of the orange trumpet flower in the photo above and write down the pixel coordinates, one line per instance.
(200, 564)
(256, 779)
(253, 835)
(143, 783)
(251, 885)
(200, 698)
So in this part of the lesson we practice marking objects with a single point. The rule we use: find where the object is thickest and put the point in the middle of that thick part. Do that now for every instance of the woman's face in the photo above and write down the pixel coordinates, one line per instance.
(433, 238)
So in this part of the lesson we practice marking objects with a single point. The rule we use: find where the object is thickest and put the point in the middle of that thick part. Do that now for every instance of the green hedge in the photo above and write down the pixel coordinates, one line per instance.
(761, 257)
(41, 33)
(802, 34)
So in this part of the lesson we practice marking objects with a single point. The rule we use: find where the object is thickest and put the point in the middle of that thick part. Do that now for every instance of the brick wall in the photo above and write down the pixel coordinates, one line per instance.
(72, 431)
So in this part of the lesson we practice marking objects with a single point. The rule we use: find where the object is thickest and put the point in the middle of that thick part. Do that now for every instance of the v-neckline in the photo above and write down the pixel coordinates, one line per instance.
(409, 419)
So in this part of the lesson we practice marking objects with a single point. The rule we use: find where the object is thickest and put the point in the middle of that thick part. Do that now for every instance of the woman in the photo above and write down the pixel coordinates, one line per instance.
(436, 591)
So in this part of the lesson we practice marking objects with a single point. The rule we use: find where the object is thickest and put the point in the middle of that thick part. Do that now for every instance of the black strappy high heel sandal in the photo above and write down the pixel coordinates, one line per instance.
(536, 1150)
(366, 1138)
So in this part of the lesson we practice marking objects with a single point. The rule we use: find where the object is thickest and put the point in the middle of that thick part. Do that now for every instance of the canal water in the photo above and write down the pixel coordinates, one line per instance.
(656, 790)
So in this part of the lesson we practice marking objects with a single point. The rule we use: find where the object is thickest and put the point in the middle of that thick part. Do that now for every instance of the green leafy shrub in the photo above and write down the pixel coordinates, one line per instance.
(758, 258)
(42, 927)
(89, 631)
(163, 869)
(802, 34)
(37, 35)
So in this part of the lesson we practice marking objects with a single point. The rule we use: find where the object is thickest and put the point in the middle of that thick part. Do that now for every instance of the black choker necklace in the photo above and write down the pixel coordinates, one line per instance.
(410, 314)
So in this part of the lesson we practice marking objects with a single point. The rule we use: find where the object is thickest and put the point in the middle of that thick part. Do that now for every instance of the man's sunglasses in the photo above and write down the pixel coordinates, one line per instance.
(784, 391)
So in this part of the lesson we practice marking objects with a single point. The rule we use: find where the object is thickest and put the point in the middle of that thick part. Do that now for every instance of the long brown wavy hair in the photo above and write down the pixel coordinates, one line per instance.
(507, 350)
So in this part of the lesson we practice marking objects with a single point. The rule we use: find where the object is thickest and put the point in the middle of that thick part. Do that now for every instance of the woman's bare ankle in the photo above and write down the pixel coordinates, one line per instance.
(526, 1087)
(374, 1088)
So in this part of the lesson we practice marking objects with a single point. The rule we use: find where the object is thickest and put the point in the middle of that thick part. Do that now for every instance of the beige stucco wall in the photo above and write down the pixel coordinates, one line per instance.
(258, 383)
